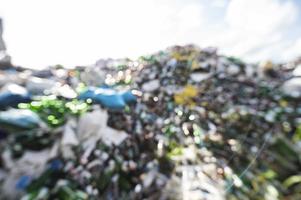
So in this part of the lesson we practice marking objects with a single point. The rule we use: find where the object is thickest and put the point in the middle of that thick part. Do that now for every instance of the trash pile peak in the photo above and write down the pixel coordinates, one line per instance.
(183, 123)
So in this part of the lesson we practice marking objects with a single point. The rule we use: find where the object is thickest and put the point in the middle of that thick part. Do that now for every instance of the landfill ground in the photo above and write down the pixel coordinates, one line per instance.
(182, 123)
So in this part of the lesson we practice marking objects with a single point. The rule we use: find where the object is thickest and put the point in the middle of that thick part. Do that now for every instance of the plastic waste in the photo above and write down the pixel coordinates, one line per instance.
(64, 91)
(93, 126)
(23, 182)
(69, 136)
(39, 86)
(292, 87)
(22, 172)
(205, 126)
(20, 118)
(198, 77)
(12, 95)
(151, 86)
(109, 98)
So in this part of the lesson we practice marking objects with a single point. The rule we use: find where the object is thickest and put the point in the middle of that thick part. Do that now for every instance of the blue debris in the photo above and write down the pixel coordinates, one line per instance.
(108, 97)
(8, 99)
(23, 182)
(129, 97)
(13, 96)
(56, 164)
(20, 118)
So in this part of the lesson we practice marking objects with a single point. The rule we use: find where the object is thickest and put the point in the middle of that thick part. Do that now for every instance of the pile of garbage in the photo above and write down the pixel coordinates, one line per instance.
(184, 123)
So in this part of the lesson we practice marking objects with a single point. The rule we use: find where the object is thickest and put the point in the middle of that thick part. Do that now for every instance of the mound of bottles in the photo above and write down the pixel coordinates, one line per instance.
(183, 123)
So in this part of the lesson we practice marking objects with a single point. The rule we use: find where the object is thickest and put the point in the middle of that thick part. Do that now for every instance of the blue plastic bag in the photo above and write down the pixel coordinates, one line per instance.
(19, 118)
(109, 98)
(129, 97)
(23, 182)
(11, 99)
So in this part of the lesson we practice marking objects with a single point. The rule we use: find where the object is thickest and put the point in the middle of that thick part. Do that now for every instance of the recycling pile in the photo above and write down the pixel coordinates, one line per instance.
(184, 123)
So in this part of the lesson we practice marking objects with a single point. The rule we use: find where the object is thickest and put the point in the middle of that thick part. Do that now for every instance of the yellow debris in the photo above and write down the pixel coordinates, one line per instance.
(194, 65)
(283, 103)
(186, 96)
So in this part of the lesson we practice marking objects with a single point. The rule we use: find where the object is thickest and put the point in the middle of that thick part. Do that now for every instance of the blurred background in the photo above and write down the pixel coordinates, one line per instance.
(73, 32)
(178, 120)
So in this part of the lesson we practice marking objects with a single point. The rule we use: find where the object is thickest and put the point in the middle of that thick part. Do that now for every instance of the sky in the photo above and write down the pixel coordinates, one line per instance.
(77, 32)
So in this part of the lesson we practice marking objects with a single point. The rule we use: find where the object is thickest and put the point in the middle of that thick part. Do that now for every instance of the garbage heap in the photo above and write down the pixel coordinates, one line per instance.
(183, 123)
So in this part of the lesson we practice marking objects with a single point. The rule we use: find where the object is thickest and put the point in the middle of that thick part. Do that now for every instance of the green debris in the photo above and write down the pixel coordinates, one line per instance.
(54, 111)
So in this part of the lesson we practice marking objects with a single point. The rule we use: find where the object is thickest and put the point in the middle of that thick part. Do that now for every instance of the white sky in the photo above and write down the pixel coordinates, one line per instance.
(39, 33)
